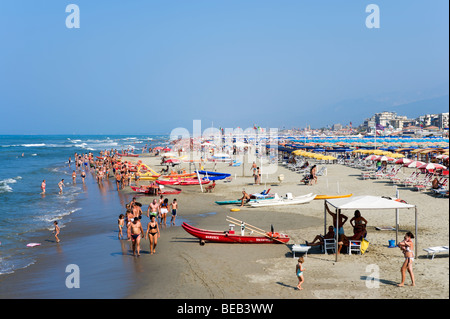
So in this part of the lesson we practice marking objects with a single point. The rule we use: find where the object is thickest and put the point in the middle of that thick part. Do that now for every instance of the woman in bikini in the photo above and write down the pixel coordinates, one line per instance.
(153, 233)
(164, 209)
(407, 247)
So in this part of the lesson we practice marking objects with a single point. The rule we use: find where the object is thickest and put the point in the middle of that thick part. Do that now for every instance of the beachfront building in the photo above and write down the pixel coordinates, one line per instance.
(385, 119)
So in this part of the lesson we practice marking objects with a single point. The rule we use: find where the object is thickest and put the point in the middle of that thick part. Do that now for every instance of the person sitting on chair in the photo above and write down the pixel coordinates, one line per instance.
(359, 223)
(320, 238)
(435, 184)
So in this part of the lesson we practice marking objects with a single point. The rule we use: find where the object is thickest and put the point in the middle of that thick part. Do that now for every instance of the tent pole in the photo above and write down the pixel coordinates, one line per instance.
(337, 233)
(415, 240)
(396, 225)
(325, 216)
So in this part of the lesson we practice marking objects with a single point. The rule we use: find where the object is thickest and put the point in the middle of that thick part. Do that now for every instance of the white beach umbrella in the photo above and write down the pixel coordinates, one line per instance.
(403, 161)
(428, 166)
(415, 164)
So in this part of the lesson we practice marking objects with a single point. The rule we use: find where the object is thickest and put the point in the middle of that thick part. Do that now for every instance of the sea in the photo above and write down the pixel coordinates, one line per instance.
(27, 215)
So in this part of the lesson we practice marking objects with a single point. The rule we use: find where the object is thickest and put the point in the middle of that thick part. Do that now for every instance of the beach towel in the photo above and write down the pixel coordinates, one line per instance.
(364, 245)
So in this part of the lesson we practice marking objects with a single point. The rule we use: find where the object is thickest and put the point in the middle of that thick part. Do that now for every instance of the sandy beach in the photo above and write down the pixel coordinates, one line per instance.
(182, 268)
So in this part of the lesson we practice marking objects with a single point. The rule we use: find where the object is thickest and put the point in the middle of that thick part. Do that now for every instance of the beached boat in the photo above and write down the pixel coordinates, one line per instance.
(149, 189)
(287, 200)
(238, 201)
(332, 196)
(193, 181)
(183, 181)
(213, 176)
(177, 176)
(128, 154)
(146, 173)
(230, 237)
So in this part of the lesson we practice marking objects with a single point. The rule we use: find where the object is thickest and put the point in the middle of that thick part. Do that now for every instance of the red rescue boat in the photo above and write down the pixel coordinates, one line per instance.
(230, 237)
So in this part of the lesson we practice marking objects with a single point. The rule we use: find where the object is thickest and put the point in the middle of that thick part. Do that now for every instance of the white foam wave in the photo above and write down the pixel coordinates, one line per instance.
(4, 184)
(33, 145)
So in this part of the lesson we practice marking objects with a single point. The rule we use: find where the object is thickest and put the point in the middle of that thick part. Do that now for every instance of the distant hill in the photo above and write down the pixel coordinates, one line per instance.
(357, 110)
(429, 106)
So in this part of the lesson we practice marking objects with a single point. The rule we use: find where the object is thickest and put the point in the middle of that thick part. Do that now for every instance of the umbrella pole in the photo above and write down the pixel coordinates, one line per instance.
(337, 234)
(415, 239)
(396, 225)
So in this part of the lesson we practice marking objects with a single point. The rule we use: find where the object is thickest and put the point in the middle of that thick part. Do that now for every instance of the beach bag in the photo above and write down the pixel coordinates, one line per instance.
(364, 245)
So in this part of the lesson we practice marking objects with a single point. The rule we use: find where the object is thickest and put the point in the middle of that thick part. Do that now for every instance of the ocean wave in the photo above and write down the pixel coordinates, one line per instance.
(33, 145)
(9, 266)
(4, 184)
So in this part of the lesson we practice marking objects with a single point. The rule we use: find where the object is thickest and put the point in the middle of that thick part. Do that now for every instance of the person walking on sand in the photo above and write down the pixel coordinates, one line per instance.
(164, 209)
(61, 185)
(174, 207)
(43, 184)
(153, 234)
(121, 223)
(153, 208)
(136, 231)
(407, 247)
(299, 271)
(56, 231)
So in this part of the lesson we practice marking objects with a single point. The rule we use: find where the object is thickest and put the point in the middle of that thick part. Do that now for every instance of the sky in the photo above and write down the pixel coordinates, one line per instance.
(147, 67)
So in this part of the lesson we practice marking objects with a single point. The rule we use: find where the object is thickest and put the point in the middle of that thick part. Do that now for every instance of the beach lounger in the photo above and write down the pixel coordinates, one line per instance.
(434, 250)
(300, 249)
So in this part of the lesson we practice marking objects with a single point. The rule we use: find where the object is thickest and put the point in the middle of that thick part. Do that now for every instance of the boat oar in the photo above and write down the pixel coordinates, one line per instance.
(240, 221)
(255, 229)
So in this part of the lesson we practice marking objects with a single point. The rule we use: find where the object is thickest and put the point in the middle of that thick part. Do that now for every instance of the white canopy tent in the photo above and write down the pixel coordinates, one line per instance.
(369, 203)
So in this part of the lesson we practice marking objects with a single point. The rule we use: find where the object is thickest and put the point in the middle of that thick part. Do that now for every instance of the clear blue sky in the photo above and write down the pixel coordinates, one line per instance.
(150, 66)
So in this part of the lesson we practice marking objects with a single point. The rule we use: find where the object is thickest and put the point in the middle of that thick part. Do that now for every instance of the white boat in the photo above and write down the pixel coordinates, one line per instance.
(287, 200)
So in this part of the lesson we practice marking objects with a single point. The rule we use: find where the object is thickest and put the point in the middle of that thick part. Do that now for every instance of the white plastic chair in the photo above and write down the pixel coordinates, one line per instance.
(329, 243)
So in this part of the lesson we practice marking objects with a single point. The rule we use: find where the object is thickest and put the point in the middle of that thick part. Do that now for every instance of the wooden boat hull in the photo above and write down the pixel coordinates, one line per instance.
(332, 196)
(225, 237)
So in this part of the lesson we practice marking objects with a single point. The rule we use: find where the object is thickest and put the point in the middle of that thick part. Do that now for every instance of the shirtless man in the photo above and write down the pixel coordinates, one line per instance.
(245, 198)
(342, 220)
(153, 208)
(137, 212)
(174, 211)
(136, 231)
(74, 177)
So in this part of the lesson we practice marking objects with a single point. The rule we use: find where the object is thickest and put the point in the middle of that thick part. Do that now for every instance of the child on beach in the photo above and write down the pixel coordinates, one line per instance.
(299, 271)
(407, 247)
(56, 231)
(174, 211)
(121, 223)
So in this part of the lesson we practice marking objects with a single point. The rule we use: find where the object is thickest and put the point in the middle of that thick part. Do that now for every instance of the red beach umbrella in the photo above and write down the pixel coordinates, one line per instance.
(166, 149)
